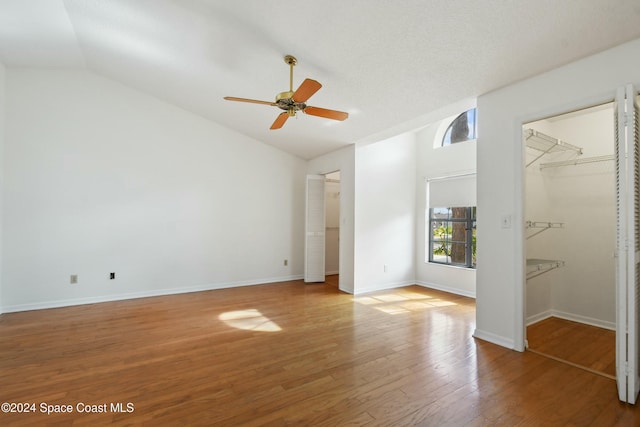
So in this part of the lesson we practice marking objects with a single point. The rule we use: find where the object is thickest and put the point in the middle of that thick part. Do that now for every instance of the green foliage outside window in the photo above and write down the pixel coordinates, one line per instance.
(453, 236)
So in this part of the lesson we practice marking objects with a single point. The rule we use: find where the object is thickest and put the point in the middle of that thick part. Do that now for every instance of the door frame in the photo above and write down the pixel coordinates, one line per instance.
(520, 327)
(626, 392)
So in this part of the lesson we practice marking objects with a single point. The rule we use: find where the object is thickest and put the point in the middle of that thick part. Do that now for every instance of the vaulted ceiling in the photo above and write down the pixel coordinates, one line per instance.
(386, 63)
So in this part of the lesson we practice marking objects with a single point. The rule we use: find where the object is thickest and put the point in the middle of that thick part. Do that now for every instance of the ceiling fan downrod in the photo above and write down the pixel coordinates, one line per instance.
(292, 61)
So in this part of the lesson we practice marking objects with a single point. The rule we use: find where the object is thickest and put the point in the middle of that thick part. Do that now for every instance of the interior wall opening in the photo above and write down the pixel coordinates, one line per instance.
(570, 217)
(332, 228)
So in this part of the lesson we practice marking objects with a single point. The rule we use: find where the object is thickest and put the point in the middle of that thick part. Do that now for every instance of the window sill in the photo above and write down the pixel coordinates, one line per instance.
(459, 267)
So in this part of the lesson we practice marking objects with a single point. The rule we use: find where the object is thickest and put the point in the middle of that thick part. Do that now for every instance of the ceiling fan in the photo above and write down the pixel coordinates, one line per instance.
(292, 102)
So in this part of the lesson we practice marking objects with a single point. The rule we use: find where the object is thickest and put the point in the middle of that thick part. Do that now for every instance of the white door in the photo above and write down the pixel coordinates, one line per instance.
(314, 230)
(627, 155)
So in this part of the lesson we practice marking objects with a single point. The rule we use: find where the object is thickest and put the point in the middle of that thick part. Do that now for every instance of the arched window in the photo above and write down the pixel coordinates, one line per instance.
(462, 129)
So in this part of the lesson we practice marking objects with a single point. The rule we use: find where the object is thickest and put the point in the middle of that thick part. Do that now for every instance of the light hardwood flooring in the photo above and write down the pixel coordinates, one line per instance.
(583, 345)
(289, 354)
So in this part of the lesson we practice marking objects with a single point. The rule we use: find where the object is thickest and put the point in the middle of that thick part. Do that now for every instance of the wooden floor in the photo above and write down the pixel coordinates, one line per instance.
(288, 354)
(583, 345)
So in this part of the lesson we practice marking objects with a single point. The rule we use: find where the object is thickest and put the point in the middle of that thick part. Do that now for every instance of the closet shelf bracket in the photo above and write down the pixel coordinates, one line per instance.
(575, 162)
(537, 267)
(542, 226)
(547, 144)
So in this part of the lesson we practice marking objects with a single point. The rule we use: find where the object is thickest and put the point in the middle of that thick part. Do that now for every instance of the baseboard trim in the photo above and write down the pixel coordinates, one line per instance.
(464, 293)
(539, 317)
(384, 287)
(134, 295)
(494, 339)
(572, 317)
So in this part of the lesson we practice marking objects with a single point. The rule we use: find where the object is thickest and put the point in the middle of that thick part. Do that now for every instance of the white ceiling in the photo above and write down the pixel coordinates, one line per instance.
(384, 62)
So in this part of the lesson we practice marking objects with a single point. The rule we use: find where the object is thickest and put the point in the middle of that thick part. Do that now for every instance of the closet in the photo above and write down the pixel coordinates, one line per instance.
(570, 212)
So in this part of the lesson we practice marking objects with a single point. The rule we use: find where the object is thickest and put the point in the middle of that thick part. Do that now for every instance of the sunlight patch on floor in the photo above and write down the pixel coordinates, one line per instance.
(402, 302)
(249, 320)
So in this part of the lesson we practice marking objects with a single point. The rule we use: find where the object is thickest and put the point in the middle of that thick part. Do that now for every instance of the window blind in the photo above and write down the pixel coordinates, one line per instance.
(454, 191)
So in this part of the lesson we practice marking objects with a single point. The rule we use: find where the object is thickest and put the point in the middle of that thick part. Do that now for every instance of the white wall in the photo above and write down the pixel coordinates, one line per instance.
(583, 198)
(437, 162)
(384, 214)
(2, 136)
(500, 272)
(100, 178)
(344, 161)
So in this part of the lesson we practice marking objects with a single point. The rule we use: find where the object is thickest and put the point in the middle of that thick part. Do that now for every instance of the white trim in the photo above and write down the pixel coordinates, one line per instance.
(134, 295)
(384, 287)
(572, 317)
(456, 291)
(493, 338)
(519, 241)
(331, 273)
(538, 317)
(441, 264)
(586, 320)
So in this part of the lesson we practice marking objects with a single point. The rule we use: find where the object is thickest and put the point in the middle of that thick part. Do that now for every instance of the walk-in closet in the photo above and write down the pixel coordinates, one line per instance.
(570, 238)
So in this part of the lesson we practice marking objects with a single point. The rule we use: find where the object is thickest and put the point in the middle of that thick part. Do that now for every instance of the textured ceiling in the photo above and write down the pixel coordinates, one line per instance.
(384, 62)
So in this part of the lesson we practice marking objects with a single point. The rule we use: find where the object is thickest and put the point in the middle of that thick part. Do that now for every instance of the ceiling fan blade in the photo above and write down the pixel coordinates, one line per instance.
(306, 90)
(253, 101)
(282, 117)
(327, 114)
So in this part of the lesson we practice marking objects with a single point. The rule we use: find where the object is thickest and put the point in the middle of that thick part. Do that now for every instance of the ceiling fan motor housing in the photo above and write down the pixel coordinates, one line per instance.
(285, 102)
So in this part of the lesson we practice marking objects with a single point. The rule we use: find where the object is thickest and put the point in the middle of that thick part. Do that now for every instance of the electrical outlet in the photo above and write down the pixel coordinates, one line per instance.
(112, 276)
(286, 262)
(74, 279)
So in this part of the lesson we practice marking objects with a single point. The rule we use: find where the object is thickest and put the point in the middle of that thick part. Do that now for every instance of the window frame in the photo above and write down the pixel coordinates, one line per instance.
(472, 133)
(470, 222)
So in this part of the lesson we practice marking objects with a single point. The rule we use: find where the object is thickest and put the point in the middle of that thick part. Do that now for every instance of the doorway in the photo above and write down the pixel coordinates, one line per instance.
(332, 228)
(322, 228)
(570, 221)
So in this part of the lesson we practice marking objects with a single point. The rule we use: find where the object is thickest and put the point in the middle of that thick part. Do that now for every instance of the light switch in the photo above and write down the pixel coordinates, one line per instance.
(505, 221)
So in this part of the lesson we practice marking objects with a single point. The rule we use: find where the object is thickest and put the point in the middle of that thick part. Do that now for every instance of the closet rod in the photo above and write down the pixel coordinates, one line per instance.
(577, 161)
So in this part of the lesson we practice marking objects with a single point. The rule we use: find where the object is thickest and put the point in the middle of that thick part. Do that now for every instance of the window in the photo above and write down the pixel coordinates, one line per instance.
(452, 236)
(450, 228)
(463, 128)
